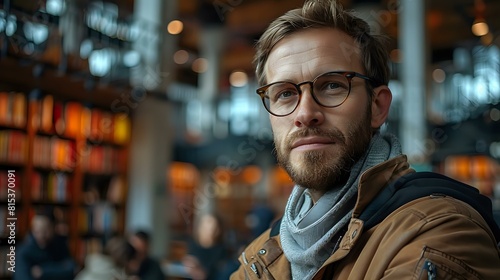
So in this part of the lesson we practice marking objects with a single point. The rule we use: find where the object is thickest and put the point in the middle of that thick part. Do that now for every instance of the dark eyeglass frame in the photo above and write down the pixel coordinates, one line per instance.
(349, 75)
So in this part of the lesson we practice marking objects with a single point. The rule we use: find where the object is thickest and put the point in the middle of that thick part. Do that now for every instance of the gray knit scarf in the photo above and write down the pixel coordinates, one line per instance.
(309, 232)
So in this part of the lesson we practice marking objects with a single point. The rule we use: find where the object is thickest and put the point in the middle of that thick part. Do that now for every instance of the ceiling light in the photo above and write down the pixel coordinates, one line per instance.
(175, 27)
(480, 27)
(200, 65)
(55, 7)
(439, 75)
(36, 32)
(181, 57)
(238, 79)
(131, 58)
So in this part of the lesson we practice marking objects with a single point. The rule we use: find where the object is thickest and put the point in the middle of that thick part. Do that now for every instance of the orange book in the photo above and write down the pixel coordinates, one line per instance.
(4, 108)
(59, 152)
(85, 122)
(35, 107)
(72, 113)
(19, 109)
(46, 124)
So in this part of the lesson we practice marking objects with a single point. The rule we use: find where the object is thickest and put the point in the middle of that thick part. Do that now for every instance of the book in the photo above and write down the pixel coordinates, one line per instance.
(85, 122)
(58, 120)
(35, 107)
(95, 126)
(4, 108)
(121, 128)
(19, 109)
(46, 115)
(73, 113)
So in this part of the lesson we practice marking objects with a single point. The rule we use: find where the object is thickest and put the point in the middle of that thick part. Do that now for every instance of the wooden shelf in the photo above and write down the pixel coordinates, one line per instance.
(17, 76)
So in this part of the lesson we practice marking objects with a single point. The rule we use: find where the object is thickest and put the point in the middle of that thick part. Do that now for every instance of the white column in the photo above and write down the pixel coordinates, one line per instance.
(412, 42)
(211, 46)
(152, 138)
(150, 153)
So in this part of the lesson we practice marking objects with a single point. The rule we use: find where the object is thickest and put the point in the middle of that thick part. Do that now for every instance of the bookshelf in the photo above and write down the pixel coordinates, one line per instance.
(69, 150)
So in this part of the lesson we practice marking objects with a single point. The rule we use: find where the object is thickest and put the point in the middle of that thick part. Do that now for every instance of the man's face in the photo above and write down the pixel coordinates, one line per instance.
(318, 145)
(42, 230)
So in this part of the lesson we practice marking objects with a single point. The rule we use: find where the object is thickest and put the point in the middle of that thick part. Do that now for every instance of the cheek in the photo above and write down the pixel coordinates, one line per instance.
(280, 128)
(348, 113)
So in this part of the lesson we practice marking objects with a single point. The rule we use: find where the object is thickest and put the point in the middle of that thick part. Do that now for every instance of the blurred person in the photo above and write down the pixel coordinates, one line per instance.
(206, 252)
(44, 254)
(357, 211)
(111, 264)
(143, 265)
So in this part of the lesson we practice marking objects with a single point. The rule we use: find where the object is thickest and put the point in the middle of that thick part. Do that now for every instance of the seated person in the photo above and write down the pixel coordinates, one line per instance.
(110, 264)
(206, 252)
(44, 254)
(143, 265)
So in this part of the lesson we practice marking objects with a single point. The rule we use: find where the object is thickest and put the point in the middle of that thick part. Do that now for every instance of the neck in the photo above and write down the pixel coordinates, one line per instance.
(316, 194)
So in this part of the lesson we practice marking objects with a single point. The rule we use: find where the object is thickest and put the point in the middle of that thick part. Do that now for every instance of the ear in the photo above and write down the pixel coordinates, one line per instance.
(381, 101)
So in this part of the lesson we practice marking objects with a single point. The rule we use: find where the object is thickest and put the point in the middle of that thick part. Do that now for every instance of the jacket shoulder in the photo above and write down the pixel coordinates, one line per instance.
(422, 184)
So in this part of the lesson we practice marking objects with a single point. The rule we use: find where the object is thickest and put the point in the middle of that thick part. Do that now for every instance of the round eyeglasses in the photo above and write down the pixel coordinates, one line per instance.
(329, 90)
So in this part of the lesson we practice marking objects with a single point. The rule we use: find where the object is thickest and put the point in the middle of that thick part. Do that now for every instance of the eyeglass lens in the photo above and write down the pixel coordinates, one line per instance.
(329, 90)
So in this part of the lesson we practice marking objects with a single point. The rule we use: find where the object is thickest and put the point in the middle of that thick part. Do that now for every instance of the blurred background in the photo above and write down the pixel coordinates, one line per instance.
(127, 115)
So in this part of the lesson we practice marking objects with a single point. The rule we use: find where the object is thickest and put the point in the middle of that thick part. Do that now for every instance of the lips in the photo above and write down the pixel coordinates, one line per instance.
(312, 142)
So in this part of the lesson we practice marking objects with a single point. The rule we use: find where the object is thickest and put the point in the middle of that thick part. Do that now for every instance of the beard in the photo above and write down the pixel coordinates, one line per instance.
(323, 170)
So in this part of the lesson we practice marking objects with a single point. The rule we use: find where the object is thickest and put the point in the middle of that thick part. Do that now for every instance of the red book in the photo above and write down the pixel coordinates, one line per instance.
(95, 123)
(4, 108)
(58, 118)
(107, 126)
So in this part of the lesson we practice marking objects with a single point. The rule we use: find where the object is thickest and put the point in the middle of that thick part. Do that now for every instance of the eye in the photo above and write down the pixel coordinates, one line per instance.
(333, 85)
(282, 92)
(286, 94)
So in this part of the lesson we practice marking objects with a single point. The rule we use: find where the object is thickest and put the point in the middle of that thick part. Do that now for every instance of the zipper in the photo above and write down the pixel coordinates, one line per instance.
(431, 270)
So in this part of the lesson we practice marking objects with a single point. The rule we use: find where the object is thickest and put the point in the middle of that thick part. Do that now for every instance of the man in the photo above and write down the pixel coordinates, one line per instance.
(44, 255)
(358, 211)
(143, 266)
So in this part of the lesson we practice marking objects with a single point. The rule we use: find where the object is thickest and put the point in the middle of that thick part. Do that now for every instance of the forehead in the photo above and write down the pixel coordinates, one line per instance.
(307, 53)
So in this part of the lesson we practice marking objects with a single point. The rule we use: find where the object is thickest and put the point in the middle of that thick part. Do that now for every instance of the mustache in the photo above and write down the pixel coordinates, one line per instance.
(333, 134)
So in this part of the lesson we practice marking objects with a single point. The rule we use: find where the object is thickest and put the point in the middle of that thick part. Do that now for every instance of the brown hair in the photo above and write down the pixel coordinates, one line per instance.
(326, 13)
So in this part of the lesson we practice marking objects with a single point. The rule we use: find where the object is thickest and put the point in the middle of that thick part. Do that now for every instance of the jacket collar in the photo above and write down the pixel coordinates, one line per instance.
(374, 179)
(371, 182)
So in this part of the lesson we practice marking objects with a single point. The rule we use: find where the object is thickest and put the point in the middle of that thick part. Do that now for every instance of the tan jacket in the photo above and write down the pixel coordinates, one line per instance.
(434, 237)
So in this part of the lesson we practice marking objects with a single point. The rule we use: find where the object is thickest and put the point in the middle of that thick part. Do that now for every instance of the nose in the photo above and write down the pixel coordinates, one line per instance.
(309, 112)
